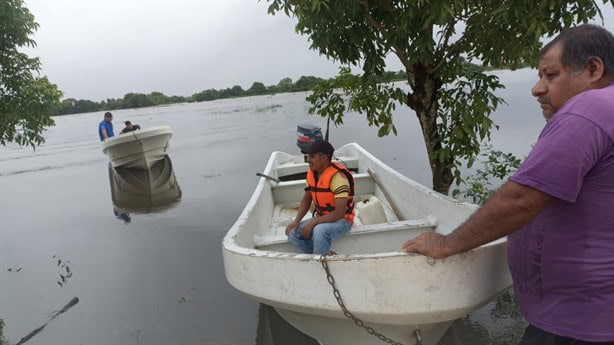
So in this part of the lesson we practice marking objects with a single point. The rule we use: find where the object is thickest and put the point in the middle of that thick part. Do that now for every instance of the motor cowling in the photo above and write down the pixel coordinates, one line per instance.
(307, 134)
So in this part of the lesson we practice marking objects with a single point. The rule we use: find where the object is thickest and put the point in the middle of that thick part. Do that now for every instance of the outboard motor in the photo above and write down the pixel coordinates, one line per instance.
(307, 134)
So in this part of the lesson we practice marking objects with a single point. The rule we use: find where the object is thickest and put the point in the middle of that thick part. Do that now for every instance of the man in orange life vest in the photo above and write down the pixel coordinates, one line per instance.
(330, 186)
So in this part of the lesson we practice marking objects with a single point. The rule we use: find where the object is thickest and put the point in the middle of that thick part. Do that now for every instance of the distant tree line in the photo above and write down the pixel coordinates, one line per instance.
(139, 100)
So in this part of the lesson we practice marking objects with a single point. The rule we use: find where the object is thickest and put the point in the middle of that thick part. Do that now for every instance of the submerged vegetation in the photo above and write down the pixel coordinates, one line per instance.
(496, 167)
(270, 108)
(2, 340)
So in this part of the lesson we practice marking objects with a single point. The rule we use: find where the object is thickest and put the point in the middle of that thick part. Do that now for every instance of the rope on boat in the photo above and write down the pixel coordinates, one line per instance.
(350, 315)
(137, 138)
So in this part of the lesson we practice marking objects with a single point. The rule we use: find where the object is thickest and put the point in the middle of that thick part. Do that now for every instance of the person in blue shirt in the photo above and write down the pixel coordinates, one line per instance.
(105, 127)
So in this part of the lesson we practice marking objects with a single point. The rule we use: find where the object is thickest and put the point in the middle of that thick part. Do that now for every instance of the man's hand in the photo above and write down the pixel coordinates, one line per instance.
(429, 243)
(308, 229)
(291, 226)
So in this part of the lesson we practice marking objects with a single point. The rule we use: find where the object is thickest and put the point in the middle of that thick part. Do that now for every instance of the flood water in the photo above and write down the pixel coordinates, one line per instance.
(159, 278)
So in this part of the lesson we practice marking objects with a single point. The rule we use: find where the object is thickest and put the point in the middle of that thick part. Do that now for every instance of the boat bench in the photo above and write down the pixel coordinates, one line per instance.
(402, 229)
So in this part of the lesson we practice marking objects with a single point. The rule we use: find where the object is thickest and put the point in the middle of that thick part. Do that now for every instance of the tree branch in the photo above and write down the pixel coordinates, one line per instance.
(456, 46)
(382, 30)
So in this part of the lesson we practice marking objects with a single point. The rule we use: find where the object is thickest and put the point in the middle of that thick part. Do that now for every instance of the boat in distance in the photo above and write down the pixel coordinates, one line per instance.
(138, 149)
(408, 298)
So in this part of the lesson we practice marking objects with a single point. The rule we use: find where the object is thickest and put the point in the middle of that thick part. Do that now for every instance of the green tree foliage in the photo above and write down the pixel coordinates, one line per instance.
(257, 88)
(284, 85)
(236, 91)
(431, 39)
(71, 106)
(158, 98)
(306, 83)
(496, 166)
(27, 100)
(206, 95)
(138, 100)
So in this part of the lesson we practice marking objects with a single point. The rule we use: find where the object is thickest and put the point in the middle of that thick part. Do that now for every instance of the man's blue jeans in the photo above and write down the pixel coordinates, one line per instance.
(322, 237)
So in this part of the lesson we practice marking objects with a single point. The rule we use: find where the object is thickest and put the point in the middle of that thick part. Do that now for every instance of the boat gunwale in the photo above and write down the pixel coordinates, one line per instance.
(140, 134)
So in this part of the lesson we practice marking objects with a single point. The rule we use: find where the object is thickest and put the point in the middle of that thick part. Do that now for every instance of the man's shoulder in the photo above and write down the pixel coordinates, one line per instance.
(339, 179)
(596, 106)
(345, 175)
(341, 174)
(339, 185)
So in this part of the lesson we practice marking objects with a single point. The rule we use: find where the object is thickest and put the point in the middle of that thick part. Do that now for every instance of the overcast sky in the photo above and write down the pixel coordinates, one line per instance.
(98, 49)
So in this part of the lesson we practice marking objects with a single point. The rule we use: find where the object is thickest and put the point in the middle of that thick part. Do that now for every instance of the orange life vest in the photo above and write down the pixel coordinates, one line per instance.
(323, 196)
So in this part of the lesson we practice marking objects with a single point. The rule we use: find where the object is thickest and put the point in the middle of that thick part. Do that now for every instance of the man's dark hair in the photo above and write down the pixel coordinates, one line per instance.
(127, 123)
(582, 43)
(108, 114)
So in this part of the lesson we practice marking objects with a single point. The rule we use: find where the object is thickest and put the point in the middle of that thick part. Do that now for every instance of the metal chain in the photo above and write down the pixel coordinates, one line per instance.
(349, 315)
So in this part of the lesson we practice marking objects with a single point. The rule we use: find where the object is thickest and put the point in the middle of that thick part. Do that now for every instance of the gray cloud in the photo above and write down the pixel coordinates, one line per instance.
(98, 49)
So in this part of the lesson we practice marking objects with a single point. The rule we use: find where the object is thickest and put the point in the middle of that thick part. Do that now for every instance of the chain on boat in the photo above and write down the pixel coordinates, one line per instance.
(349, 315)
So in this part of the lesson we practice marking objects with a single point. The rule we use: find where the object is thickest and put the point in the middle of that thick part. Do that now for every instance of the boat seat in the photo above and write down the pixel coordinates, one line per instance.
(403, 228)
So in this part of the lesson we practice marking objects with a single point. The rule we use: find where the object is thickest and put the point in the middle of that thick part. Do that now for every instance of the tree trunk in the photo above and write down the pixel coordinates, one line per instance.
(423, 99)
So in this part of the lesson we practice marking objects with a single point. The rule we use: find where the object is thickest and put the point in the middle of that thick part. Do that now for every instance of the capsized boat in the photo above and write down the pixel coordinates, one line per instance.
(140, 148)
(144, 191)
(406, 297)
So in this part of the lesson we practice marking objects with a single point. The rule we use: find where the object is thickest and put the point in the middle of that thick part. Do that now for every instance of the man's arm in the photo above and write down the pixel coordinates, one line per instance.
(512, 206)
(333, 216)
(104, 133)
(303, 208)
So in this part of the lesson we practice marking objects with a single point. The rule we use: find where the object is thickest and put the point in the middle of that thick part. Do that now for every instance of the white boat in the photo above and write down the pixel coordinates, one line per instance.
(402, 296)
(140, 148)
(144, 190)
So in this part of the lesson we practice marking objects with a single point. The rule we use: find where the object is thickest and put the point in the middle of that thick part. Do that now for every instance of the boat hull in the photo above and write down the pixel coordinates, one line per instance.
(409, 291)
(138, 149)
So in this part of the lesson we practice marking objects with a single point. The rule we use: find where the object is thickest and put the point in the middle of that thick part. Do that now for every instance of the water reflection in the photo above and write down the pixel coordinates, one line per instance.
(497, 323)
(143, 190)
(274, 330)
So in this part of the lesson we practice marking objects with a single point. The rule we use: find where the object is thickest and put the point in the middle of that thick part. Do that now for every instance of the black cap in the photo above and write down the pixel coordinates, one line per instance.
(321, 147)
